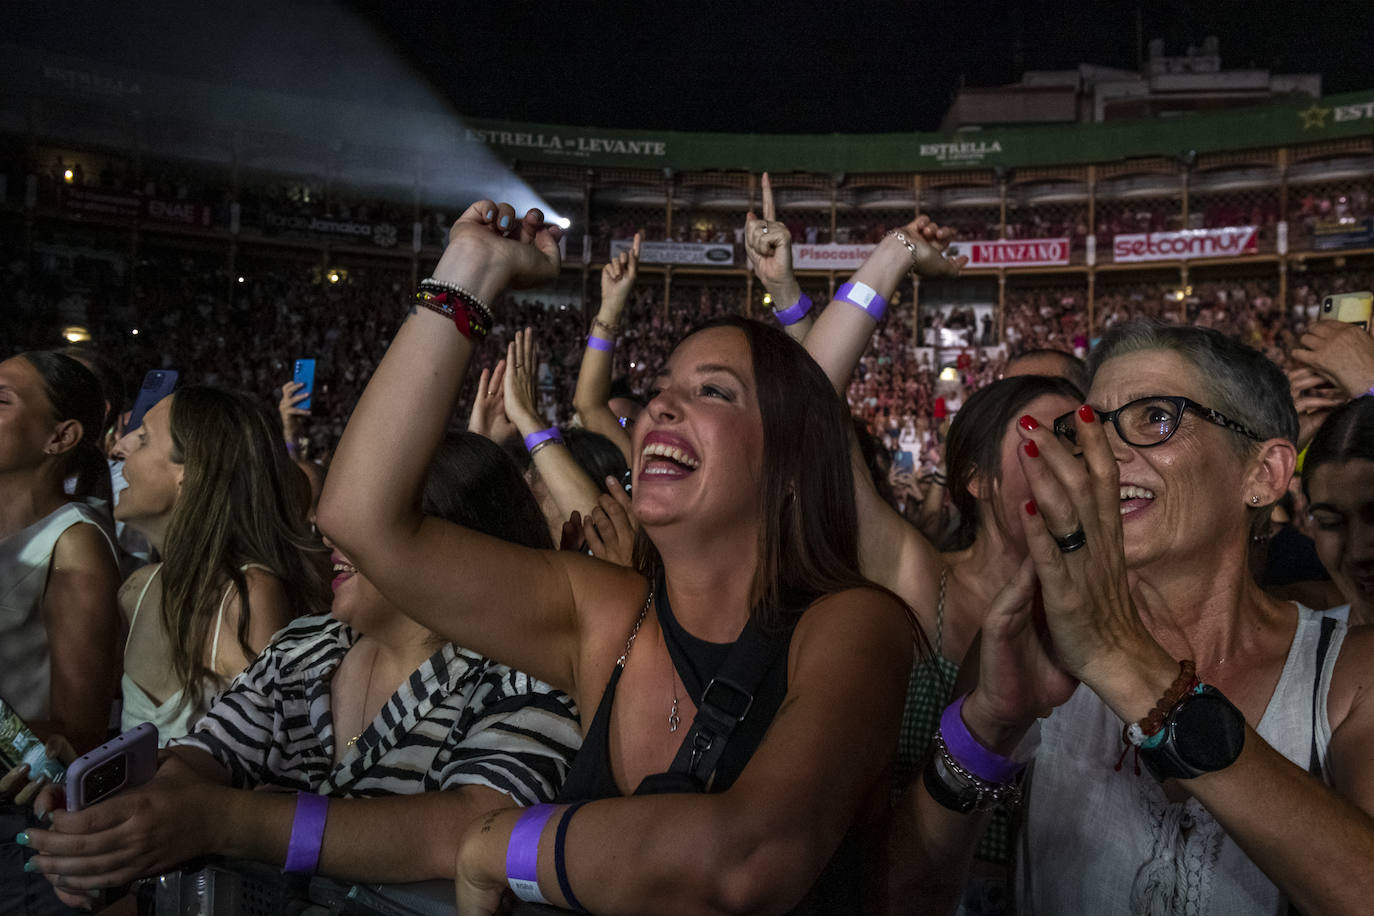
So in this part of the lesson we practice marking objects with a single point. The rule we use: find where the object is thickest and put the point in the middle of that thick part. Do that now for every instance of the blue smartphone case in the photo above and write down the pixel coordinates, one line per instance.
(305, 375)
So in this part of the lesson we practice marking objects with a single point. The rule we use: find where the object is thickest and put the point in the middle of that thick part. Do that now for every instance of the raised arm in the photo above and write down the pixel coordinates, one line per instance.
(594, 377)
(768, 246)
(511, 603)
(842, 331)
(572, 490)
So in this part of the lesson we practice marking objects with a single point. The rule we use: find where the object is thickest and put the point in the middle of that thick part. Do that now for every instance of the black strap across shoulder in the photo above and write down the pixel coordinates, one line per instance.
(725, 702)
(1314, 765)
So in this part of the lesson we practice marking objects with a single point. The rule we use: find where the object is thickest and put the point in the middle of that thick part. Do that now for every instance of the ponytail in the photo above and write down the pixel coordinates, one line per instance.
(75, 394)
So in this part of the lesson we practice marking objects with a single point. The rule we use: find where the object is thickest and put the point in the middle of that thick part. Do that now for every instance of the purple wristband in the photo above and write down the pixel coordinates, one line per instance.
(865, 297)
(969, 753)
(522, 853)
(600, 343)
(795, 312)
(544, 435)
(307, 833)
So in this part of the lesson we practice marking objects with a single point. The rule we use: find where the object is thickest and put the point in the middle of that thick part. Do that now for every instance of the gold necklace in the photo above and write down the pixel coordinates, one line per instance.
(362, 715)
(673, 718)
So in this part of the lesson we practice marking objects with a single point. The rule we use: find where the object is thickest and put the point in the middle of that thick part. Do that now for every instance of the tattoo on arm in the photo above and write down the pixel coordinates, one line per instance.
(489, 821)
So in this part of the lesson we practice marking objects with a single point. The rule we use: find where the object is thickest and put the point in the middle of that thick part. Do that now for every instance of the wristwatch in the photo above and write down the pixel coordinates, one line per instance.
(1203, 733)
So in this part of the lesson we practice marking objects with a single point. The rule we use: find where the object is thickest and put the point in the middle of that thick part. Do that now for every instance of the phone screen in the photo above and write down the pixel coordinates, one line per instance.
(157, 384)
(305, 375)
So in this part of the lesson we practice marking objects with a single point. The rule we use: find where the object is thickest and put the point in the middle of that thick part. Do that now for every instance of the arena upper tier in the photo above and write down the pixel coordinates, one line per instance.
(101, 159)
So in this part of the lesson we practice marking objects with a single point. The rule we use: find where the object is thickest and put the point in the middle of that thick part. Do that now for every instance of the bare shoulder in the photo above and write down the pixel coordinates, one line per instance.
(608, 597)
(1352, 681)
(134, 586)
(83, 546)
(855, 619)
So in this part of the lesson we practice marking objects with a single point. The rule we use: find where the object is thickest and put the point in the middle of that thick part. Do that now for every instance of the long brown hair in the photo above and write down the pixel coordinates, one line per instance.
(239, 504)
(809, 539)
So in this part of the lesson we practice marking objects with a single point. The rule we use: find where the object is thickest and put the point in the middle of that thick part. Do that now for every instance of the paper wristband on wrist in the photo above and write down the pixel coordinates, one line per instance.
(522, 853)
(560, 865)
(795, 312)
(307, 833)
(865, 297)
(970, 753)
(544, 435)
(599, 343)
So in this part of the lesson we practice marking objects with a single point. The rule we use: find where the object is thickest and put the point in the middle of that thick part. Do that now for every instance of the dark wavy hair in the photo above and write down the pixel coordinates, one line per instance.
(809, 539)
(1345, 435)
(973, 450)
(473, 482)
(74, 393)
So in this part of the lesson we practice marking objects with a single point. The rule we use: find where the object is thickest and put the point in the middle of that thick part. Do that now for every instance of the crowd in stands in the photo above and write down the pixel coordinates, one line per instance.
(464, 702)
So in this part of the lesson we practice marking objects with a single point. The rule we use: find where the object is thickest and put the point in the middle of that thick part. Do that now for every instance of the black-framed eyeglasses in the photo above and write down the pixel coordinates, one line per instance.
(1147, 422)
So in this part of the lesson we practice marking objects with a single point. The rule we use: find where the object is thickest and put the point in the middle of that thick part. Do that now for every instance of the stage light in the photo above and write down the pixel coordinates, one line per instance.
(67, 176)
(333, 276)
(76, 334)
(134, 332)
(949, 374)
(240, 279)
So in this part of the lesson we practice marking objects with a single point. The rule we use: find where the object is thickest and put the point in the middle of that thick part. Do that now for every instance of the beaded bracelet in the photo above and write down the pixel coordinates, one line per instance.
(909, 247)
(1152, 725)
(470, 323)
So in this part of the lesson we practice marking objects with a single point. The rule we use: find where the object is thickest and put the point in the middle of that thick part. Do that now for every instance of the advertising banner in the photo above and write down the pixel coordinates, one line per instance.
(1014, 252)
(1227, 242)
(383, 235)
(830, 257)
(119, 205)
(1352, 234)
(679, 253)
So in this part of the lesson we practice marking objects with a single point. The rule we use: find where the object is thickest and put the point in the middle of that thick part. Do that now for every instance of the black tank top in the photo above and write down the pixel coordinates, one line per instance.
(839, 888)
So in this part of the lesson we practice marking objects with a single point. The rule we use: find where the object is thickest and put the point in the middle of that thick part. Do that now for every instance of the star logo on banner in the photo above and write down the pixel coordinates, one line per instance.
(1314, 117)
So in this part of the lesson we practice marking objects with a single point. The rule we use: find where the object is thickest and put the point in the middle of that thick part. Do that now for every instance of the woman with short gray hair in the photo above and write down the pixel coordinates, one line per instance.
(1194, 727)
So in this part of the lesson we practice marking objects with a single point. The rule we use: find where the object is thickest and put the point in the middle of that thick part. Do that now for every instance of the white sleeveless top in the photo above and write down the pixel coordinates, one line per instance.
(173, 718)
(1107, 842)
(25, 561)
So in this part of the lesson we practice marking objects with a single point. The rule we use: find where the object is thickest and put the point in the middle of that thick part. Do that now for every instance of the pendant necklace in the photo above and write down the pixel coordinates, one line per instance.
(362, 715)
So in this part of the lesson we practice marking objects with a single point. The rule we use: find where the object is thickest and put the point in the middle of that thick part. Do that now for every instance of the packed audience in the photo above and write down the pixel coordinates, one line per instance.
(465, 702)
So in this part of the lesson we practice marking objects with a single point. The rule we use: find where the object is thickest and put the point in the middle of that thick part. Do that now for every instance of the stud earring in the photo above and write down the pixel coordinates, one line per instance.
(1254, 500)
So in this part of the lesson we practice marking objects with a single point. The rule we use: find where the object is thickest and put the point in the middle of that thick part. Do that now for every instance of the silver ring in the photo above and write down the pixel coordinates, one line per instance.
(764, 230)
(1071, 542)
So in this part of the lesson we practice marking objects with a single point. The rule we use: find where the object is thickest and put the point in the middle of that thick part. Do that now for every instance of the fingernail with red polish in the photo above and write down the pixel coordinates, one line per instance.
(1032, 450)
(1028, 423)
(1085, 413)
(1031, 508)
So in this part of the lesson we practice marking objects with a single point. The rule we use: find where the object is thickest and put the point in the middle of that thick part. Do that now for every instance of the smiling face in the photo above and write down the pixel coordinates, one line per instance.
(698, 445)
(356, 600)
(1181, 498)
(1342, 512)
(153, 478)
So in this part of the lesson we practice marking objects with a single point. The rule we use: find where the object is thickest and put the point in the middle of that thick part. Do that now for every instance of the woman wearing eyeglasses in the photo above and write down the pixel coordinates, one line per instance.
(1194, 728)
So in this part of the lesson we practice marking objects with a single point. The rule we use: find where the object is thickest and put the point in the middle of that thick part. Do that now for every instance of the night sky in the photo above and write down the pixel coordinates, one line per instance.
(804, 67)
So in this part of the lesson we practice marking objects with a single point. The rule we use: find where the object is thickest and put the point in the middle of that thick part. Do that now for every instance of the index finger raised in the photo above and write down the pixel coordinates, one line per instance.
(770, 213)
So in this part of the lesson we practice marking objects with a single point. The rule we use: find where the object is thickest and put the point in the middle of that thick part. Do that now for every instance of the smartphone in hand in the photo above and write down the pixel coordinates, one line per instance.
(304, 375)
(157, 384)
(18, 744)
(1352, 308)
(120, 763)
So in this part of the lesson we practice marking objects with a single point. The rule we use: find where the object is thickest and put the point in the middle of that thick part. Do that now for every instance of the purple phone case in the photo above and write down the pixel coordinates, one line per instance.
(138, 745)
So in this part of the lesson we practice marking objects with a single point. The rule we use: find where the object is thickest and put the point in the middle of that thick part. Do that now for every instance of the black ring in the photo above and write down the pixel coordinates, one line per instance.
(1071, 542)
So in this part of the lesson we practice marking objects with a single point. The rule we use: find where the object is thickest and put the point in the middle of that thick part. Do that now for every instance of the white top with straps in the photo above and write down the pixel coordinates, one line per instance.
(1106, 842)
(25, 562)
(172, 717)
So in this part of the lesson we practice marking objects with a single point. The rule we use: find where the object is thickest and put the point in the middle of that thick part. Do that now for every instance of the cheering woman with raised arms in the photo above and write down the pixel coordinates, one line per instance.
(743, 527)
